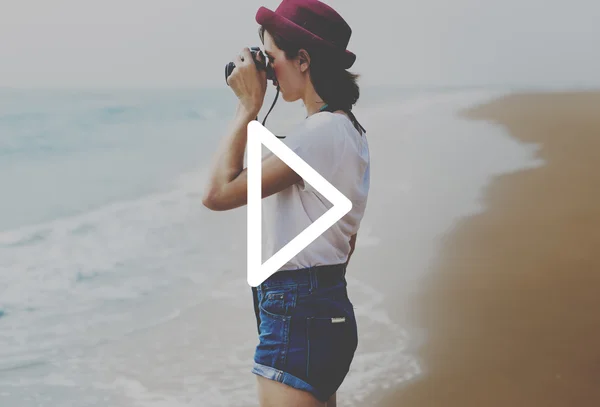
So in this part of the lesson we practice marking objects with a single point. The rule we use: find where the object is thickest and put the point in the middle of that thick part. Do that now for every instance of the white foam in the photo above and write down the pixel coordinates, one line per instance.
(141, 396)
(429, 104)
(381, 356)
(100, 242)
(54, 379)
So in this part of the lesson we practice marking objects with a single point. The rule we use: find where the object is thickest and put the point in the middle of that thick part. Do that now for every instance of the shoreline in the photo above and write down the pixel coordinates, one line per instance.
(419, 149)
(509, 304)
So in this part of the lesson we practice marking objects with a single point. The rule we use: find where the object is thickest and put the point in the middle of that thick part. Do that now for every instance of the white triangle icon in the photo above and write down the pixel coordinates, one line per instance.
(257, 270)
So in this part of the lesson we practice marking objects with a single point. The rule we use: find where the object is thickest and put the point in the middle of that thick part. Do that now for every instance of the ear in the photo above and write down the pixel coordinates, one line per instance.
(304, 60)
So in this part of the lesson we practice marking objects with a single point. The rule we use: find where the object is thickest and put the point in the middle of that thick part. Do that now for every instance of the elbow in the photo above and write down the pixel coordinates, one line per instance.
(210, 200)
(216, 202)
(220, 200)
(208, 203)
(212, 205)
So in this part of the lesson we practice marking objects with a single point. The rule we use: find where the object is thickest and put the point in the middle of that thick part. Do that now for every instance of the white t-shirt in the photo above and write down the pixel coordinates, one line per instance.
(330, 144)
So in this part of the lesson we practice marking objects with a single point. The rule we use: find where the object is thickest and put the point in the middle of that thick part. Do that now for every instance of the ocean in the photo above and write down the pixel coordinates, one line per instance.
(118, 288)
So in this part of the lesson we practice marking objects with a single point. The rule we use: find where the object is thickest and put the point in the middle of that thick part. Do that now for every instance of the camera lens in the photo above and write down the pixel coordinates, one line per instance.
(228, 70)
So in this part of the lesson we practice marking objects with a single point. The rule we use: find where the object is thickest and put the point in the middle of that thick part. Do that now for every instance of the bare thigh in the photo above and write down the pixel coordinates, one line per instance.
(274, 394)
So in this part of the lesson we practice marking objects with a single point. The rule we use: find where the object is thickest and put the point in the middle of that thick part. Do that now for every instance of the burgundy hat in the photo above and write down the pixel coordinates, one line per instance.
(309, 22)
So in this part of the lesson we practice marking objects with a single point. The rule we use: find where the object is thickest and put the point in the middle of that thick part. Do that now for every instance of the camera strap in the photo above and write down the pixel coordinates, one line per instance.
(272, 106)
(324, 108)
(357, 125)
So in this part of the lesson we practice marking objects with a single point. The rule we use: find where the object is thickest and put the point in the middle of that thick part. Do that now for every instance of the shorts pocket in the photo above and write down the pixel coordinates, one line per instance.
(278, 302)
(330, 348)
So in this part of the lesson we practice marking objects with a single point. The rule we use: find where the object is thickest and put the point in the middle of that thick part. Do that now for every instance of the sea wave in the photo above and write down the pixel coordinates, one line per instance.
(47, 261)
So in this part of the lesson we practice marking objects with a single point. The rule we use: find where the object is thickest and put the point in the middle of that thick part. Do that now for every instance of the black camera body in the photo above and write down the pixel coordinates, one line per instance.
(259, 65)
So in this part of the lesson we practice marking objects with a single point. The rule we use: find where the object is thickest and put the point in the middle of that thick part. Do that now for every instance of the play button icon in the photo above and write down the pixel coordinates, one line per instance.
(258, 271)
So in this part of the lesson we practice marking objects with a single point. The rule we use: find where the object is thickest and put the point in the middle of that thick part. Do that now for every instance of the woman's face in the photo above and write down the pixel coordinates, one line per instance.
(290, 75)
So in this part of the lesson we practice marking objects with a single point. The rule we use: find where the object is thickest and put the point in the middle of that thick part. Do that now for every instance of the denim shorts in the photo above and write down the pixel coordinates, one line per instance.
(307, 329)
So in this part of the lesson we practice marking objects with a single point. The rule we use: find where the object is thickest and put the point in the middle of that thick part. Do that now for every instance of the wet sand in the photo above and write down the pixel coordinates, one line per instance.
(511, 307)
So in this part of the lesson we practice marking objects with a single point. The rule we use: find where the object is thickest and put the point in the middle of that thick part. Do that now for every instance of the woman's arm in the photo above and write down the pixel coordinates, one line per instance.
(227, 186)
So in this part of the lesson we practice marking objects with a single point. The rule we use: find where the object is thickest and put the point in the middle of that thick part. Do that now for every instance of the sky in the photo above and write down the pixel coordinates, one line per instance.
(175, 43)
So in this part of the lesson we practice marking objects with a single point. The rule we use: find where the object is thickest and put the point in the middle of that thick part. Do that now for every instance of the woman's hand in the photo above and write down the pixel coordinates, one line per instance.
(248, 83)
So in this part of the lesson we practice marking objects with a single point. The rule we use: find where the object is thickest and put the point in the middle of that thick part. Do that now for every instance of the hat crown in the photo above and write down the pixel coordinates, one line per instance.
(311, 23)
(318, 18)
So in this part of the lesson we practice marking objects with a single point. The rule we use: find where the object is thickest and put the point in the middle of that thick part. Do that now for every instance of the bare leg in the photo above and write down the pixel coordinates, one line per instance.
(275, 394)
(332, 402)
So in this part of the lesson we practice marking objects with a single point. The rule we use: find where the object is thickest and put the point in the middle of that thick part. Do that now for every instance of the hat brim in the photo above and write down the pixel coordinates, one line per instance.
(293, 32)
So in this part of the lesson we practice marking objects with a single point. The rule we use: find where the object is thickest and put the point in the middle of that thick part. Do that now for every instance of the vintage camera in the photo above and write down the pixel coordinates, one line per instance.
(259, 65)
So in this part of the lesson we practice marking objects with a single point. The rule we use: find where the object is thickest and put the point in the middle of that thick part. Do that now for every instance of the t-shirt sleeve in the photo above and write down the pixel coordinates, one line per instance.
(320, 145)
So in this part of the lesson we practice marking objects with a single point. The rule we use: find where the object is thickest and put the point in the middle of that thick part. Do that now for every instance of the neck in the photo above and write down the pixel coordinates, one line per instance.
(312, 101)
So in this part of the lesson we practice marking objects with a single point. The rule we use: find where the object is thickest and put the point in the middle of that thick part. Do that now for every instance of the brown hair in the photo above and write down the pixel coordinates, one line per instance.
(335, 85)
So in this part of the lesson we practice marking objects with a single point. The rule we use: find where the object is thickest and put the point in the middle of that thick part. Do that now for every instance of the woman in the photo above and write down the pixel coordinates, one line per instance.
(306, 323)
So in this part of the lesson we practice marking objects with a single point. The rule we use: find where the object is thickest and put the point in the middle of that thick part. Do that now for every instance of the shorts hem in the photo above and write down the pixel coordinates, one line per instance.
(280, 376)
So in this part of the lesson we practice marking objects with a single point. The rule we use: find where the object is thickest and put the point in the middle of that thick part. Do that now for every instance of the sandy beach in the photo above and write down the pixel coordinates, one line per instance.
(509, 307)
